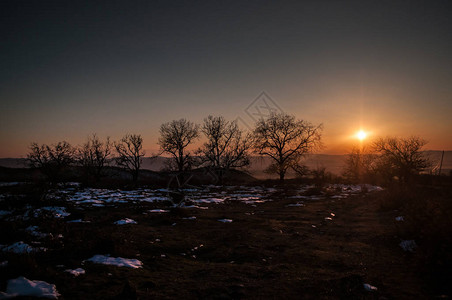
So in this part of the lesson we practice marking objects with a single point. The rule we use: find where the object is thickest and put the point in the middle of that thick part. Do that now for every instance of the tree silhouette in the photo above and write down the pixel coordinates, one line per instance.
(130, 153)
(360, 165)
(285, 140)
(401, 157)
(226, 146)
(51, 160)
(94, 154)
(175, 136)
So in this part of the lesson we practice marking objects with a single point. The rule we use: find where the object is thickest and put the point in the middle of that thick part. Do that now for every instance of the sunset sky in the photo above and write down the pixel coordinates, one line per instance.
(72, 68)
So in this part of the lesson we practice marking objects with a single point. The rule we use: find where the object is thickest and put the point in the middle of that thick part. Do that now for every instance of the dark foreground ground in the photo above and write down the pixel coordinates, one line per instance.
(270, 251)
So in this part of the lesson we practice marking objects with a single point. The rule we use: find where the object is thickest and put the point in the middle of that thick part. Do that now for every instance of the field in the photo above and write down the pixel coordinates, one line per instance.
(232, 242)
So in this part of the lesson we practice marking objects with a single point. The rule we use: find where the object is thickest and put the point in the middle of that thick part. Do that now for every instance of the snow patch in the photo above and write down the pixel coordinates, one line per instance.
(154, 199)
(116, 261)
(78, 221)
(158, 210)
(5, 213)
(225, 220)
(194, 206)
(75, 272)
(369, 288)
(297, 197)
(8, 183)
(125, 221)
(33, 230)
(57, 212)
(210, 200)
(21, 286)
(408, 245)
(21, 248)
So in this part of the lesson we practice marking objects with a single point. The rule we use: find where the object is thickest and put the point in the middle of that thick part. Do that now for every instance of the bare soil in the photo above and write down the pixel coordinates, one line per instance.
(270, 251)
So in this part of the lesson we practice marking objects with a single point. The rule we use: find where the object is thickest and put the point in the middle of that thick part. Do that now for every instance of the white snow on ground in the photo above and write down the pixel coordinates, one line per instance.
(198, 196)
(76, 272)
(369, 288)
(78, 221)
(97, 197)
(90, 201)
(9, 183)
(225, 220)
(158, 210)
(125, 221)
(205, 194)
(295, 205)
(116, 261)
(33, 230)
(297, 197)
(154, 199)
(5, 213)
(354, 188)
(408, 245)
(189, 218)
(399, 219)
(210, 200)
(57, 212)
(194, 206)
(69, 184)
(21, 286)
(21, 247)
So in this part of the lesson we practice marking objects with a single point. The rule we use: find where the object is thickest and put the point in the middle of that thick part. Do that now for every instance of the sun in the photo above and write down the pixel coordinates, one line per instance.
(361, 135)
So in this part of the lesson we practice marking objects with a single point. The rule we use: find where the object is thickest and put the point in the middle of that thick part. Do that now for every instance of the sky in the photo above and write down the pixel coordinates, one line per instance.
(72, 68)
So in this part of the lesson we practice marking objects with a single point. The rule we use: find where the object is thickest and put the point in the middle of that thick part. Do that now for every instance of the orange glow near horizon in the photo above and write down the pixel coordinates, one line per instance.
(361, 135)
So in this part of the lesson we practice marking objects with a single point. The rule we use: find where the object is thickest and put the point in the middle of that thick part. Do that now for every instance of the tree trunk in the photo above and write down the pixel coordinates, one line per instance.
(135, 176)
(281, 176)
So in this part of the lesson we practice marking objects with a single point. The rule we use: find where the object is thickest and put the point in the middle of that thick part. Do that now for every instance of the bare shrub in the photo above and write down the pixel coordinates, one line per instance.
(51, 160)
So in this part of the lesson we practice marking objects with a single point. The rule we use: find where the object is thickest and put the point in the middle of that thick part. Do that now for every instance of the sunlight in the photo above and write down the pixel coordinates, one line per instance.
(361, 135)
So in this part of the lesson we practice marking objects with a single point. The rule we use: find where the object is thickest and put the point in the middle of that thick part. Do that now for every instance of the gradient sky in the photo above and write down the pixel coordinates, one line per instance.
(72, 68)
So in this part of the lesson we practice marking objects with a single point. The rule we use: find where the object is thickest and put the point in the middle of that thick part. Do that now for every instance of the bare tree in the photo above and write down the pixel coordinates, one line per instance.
(360, 166)
(130, 153)
(94, 155)
(51, 160)
(175, 136)
(285, 140)
(401, 157)
(226, 147)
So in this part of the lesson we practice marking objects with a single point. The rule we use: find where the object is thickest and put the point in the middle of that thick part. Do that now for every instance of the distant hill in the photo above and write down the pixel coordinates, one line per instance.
(332, 163)
(13, 162)
(435, 158)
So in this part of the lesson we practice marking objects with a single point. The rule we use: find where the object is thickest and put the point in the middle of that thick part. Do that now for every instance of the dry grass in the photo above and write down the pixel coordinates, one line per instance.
(427, 213)
(268, 251)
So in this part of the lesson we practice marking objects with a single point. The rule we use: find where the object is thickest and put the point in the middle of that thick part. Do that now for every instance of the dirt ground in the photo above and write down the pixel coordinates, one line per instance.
(325, 249)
